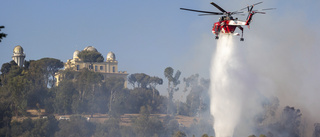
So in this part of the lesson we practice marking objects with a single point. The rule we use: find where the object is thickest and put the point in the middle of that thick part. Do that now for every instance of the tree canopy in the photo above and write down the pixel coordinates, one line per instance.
(173, 82)
(142, 80)
(2, 35)
(90, 56)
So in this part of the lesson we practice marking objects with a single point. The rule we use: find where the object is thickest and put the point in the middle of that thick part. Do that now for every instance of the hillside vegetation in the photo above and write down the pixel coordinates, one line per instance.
(32, 105)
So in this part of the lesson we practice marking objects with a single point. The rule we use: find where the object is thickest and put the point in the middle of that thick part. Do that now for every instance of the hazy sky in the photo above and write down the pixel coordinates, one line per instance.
(146, 36)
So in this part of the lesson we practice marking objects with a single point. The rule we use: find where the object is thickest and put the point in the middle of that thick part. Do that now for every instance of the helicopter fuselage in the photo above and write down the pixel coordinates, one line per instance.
(226, 26)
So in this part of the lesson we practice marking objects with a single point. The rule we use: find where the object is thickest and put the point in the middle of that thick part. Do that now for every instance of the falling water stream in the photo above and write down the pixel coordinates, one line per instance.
(232, 84)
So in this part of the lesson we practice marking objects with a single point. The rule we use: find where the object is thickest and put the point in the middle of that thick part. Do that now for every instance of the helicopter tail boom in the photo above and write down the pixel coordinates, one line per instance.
(249, 18)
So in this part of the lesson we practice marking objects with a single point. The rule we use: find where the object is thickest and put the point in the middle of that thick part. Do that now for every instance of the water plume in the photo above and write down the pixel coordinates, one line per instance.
(233, 91)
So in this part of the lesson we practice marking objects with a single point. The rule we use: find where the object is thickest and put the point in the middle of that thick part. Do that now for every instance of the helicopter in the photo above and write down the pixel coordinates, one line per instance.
(227, 24)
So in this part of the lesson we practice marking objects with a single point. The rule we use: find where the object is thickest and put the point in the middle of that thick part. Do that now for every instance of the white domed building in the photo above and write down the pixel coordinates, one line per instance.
(111, 56)
(18, 55)
(90, 48)
(108, 68)
(75, 55)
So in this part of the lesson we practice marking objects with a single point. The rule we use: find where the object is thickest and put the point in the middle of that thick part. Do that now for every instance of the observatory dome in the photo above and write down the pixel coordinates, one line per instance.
(75, 54)
(111, 56)
(18, 50)
(90, 48)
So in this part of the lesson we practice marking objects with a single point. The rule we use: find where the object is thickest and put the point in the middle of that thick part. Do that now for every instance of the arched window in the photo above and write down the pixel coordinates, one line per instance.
(90, 66)
(113, 69)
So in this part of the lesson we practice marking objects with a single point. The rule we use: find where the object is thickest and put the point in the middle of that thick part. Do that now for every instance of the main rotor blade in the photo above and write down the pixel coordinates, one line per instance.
(252, 5)
(268, 9)
(214, 13)
(236, 12)
(218, 7)
(206, 14)
(260, 12)
(257, 3)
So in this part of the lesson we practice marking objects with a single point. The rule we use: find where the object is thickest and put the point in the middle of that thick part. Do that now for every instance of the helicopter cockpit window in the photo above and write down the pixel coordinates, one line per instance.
(217, 29)
(222, 18)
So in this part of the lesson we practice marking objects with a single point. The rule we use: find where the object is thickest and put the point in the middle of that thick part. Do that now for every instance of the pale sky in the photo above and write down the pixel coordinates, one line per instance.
(146, 36)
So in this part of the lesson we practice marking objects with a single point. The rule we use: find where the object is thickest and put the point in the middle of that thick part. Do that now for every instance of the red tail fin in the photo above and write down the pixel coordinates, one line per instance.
(249, 19)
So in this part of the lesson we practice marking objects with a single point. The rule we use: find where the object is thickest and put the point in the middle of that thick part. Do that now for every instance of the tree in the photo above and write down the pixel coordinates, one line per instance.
(173, 82)
(141, 79)
(205, 135)
(5, 118)
(153, 82)
(64, 97)
(132, 80)
(193, 98)
(291, 120)
(289, 123)
(26, 86)
(144, 81)
(87, 84)
(316, 132)
(5, 69)
(86, 81)
(146, 126)
(191, 82)
(110, 127)
(172, 126)
(198, 94)
(22, 128)
(35, 128)
(43, 71)
(204, 125)
(193, 103)
(179, 134)
(16, 88)
(84, 91)
(114, 85)
(139, 97)
(76, 127)
(90, 56)
(44, 127)
(38, 87)
(2, 35)
(51, 66)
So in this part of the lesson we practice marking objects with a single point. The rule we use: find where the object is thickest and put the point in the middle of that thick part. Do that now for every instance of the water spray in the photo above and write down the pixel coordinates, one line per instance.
(232, 89)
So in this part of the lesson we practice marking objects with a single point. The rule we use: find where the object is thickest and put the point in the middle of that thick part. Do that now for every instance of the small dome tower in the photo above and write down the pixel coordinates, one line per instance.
(111, 56)
(18, 55)
(75, 55)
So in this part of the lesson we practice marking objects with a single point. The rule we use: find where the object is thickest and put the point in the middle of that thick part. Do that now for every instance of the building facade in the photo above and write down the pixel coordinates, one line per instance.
(108, 68)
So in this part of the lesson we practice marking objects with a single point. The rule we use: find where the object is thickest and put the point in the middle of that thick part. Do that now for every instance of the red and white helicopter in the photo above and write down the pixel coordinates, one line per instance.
(227, 24)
